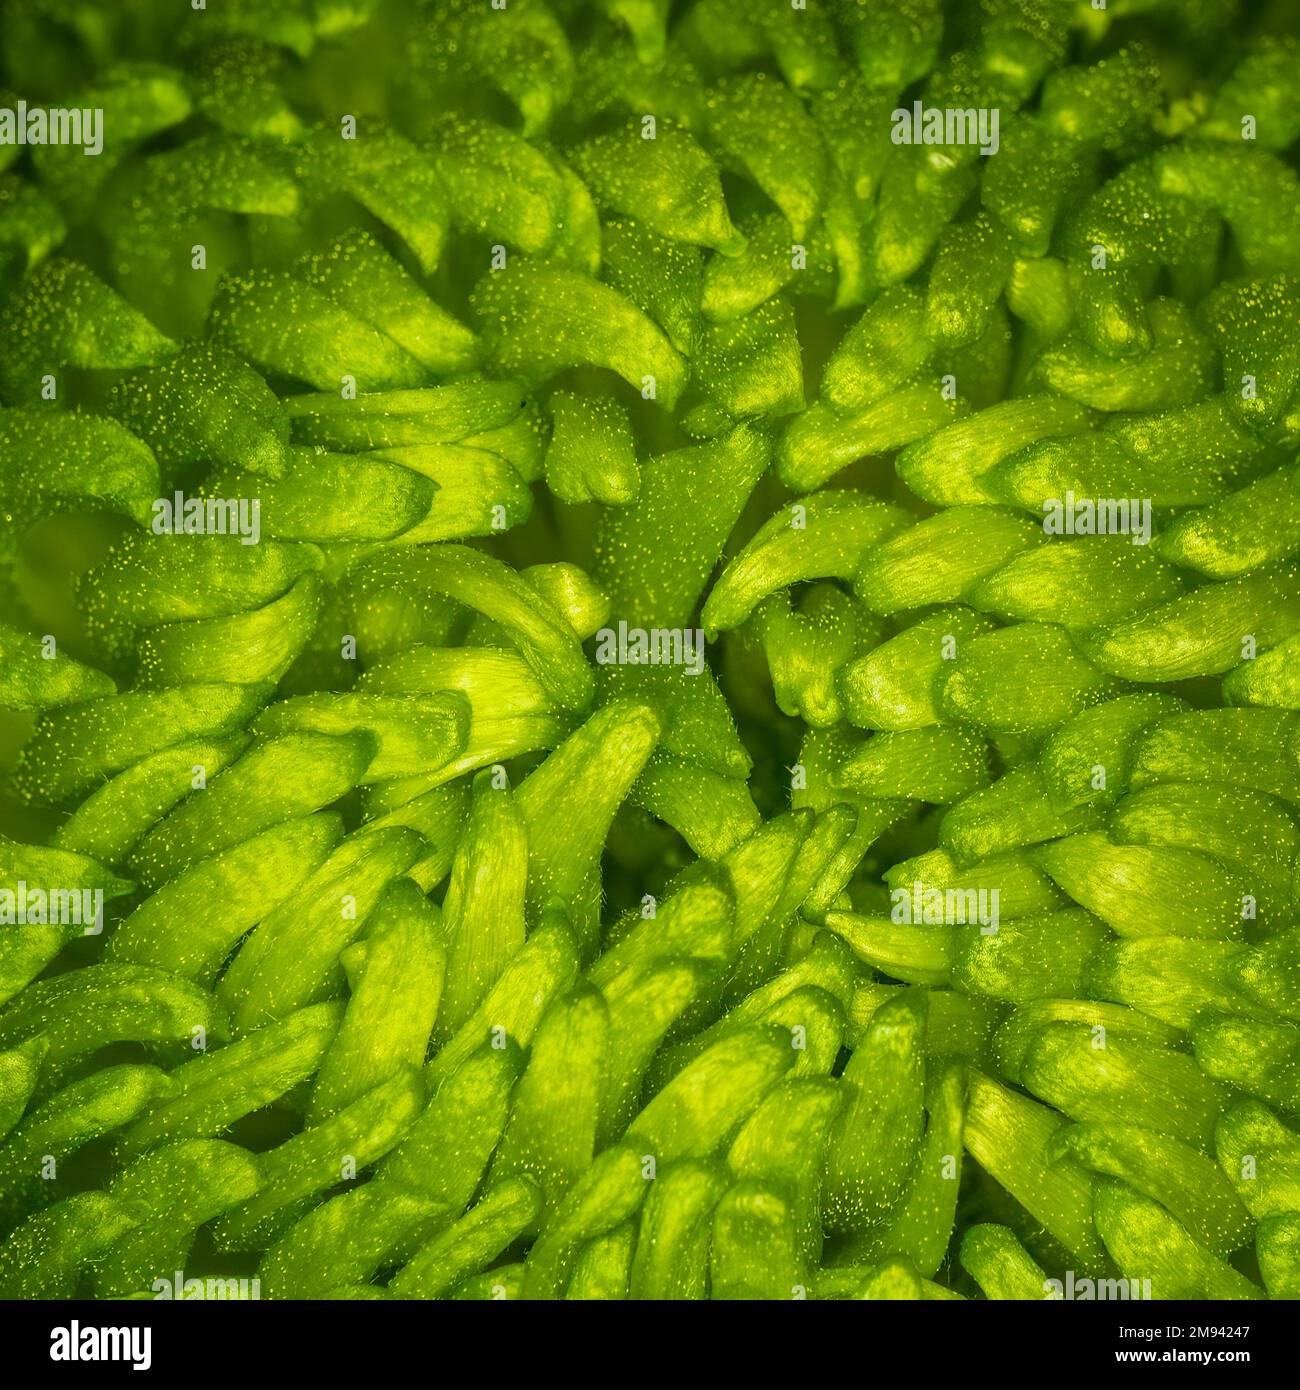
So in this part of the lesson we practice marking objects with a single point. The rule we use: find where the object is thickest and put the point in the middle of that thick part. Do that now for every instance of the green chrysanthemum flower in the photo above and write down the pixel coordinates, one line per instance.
(650, 651)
